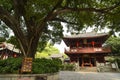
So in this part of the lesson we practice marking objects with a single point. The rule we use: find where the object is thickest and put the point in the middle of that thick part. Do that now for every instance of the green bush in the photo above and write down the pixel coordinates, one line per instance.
(118, 61)
(13, 65)
(67, 66)
(46, 65)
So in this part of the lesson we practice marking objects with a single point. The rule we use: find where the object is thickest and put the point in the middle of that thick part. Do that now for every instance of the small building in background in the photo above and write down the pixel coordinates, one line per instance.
(58, 56)
(8, 50)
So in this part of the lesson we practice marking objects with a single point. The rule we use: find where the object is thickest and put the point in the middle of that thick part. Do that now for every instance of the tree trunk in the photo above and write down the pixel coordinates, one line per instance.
(31, 51)
(29, 48)
(29, 43)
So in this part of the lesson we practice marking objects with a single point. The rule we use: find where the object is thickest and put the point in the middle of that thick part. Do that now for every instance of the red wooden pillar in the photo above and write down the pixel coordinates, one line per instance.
(91, 65)
(82, 62)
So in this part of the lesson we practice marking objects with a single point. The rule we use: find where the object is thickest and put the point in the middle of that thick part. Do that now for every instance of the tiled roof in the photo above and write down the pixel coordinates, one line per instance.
(9, 47)
(85, 35)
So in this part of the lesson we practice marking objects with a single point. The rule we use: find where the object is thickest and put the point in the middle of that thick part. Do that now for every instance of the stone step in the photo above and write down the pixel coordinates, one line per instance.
(88, 69)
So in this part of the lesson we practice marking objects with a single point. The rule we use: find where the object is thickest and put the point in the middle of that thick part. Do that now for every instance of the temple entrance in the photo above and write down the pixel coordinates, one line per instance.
(80, 61)
(93, 61)
(87, 61)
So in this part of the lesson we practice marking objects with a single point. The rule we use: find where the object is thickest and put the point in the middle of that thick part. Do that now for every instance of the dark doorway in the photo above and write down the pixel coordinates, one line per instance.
(86, 61)
(80, 61)
(93, 61)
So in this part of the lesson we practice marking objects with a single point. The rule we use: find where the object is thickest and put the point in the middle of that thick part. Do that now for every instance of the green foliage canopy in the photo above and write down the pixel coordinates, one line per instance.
(39, 66)
(114, 43)
(13, 41)
(47, 51)
(30, 19)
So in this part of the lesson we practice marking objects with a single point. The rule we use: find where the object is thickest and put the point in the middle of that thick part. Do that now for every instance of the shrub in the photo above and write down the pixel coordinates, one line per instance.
(10, 65)
(118, 61)
(67, 66)
(46, 65)
(13, 65)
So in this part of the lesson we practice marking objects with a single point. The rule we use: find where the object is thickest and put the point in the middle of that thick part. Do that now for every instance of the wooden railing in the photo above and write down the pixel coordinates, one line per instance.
(88, 50)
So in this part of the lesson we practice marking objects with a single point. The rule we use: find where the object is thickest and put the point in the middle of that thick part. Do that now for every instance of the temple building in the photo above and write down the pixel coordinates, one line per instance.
(87, 48)
(8, 50)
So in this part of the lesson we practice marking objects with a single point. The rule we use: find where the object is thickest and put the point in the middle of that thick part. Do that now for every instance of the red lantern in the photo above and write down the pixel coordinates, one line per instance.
(15, 55)
(93, 43)
(77, 44)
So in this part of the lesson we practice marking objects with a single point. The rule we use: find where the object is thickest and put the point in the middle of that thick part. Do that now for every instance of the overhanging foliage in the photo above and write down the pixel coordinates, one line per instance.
(30, 19)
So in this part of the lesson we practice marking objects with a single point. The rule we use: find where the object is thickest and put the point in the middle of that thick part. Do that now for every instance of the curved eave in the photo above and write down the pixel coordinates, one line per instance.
(85, 37)
(68, 40)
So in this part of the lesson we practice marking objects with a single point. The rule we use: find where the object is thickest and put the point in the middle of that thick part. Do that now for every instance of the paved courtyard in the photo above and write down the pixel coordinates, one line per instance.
(71, 75)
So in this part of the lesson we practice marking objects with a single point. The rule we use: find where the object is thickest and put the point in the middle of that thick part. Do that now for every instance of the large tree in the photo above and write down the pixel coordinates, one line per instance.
(34, 20)
(48, 51)
(114, 44)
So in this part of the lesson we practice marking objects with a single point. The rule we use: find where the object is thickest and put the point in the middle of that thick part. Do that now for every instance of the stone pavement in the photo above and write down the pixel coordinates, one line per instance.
(71, 75)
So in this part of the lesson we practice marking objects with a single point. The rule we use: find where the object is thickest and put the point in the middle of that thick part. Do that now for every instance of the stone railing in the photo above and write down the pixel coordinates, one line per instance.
(87, 50)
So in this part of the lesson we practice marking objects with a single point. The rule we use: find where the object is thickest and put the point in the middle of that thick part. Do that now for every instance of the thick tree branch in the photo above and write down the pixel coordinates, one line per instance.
(32, 35)
(5, 16)
(16, 10)
(57, 6)
(113, 7)
(10, 20)
(12, 23)
(103, 10)
(19, 9)
(48, 17)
